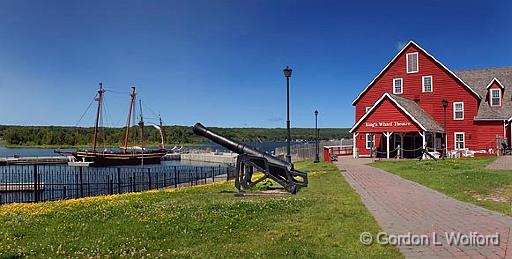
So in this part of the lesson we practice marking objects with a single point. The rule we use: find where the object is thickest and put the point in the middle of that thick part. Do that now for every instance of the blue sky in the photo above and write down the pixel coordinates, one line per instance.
(220, 62)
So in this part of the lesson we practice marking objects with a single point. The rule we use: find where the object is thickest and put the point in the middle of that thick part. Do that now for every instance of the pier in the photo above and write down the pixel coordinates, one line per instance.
(212, 157)
(36, 160)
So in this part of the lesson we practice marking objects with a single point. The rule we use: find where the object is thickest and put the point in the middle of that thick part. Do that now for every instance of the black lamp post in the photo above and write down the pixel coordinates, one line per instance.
(288, 73)
(445, 105)
(317, 156)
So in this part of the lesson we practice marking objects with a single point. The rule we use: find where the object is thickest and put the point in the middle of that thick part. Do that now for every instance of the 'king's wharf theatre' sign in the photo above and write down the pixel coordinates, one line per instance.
(388, 124)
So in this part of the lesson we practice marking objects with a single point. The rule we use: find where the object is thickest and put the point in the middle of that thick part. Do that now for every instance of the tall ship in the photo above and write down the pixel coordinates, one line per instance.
(125, 155)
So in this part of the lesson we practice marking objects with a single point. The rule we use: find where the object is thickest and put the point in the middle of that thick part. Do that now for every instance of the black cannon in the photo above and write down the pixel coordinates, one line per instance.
(249, 159)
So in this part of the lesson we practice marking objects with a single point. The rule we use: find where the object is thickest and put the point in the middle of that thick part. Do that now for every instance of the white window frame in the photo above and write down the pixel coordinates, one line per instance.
(454, 111)
(401, 85)
(367, 108)
(367, 142)
(455, 140)
(423, 84)
(407, 63)
(499, 97)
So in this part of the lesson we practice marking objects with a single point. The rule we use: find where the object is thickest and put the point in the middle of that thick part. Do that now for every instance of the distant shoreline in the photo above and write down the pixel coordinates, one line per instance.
(5, 145)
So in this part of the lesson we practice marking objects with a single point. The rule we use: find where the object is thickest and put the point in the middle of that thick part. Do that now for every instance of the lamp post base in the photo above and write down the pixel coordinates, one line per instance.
(317, 159)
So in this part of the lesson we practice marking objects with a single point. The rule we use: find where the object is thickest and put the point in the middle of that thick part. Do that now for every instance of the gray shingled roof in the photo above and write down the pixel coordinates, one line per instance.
(478, 79)
(418, 113)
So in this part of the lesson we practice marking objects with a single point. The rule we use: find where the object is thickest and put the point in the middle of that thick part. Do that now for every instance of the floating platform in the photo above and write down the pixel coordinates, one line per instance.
(223, 158)
(36, 160)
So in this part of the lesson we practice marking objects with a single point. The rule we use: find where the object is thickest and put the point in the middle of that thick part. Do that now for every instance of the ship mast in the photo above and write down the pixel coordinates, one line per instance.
(141, 125)
(128, 124)
(99, 98)
(162, 133)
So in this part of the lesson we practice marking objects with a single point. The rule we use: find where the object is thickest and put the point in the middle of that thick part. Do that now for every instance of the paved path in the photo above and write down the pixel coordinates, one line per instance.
(401, 206)
(502, 162)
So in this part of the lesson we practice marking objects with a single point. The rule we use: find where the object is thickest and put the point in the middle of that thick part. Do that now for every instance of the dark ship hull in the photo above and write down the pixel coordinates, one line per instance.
(101, 159)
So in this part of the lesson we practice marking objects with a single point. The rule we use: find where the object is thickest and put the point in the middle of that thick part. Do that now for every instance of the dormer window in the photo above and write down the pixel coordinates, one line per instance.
(495, 89)
(412, 62)
(397, 86)
(495, 97)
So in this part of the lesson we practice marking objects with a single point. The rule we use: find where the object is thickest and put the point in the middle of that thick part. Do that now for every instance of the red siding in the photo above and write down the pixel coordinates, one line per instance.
(387, 117)
(488, 131)
(444, 85)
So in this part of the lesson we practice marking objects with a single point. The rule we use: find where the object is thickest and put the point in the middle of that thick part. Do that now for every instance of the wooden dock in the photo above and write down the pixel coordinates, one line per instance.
(36, 160)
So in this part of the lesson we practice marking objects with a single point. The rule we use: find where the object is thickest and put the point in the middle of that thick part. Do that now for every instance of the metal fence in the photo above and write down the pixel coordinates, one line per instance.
(34, 183)
(308, 150)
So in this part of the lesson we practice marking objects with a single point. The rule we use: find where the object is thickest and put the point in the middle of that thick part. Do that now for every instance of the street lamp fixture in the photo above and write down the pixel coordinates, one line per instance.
(444, 102)
(317, 155)
(288, 73)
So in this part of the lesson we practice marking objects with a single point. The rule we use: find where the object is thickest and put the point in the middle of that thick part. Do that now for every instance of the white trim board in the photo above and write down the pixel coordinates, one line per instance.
(453, 115)
(497, 81)
(407, 63)
(377, 103)
(423, 84)
(455, 140)
(396, 56)
(491, 97)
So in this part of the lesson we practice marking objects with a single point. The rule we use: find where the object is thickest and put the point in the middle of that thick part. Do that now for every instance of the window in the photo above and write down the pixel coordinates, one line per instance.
(458, 110)
(370, 142)
(368, 108)
(427, 84)
(412, 62)
(495, 97)
(459, 140)
(397, 86)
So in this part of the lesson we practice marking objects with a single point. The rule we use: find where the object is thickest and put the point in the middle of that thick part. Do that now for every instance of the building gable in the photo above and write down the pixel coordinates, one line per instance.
(400, 60)
(397, 114)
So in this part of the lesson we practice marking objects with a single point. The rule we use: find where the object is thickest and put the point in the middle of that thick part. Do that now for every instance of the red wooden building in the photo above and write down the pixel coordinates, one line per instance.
(401, 111)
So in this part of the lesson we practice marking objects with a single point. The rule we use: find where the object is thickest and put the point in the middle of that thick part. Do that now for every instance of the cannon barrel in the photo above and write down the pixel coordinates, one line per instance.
(236, 146)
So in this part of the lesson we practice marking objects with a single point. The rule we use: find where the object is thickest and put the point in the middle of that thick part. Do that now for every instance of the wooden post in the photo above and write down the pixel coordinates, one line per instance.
(354, 147)
(424, 145)
(387, 134)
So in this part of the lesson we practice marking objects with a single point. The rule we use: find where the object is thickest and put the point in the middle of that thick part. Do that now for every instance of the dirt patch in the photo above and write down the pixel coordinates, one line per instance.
(502, 195)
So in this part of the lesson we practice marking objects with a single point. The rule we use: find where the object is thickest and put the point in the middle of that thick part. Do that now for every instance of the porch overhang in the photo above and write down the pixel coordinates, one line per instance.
(392, 113)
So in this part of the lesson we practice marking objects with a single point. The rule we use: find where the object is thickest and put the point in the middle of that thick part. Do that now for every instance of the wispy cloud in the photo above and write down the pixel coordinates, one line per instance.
(400, 45)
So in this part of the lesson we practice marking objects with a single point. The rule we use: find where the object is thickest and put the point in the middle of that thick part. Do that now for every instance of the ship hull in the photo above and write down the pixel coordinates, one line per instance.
(102, 159)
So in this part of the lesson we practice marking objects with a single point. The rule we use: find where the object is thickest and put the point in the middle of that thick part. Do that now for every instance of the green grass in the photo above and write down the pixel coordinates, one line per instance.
(322, 220)
(463, 179)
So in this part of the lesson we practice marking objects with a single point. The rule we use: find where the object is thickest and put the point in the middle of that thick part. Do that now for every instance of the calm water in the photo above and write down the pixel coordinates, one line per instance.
(9, 152)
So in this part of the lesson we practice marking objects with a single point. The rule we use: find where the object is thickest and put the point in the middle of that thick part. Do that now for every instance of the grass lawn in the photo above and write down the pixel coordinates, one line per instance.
(322, 220)
(462, 179)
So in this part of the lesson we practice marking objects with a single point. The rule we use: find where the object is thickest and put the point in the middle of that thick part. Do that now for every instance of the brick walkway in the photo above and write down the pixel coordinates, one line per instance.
(502, 162)
(401, 206)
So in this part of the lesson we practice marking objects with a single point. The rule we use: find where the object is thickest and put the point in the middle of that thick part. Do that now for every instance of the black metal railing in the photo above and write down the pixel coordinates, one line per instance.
(35, 183)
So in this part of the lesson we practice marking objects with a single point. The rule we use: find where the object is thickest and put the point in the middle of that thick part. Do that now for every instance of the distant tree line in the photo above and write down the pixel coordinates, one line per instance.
(76, 136)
